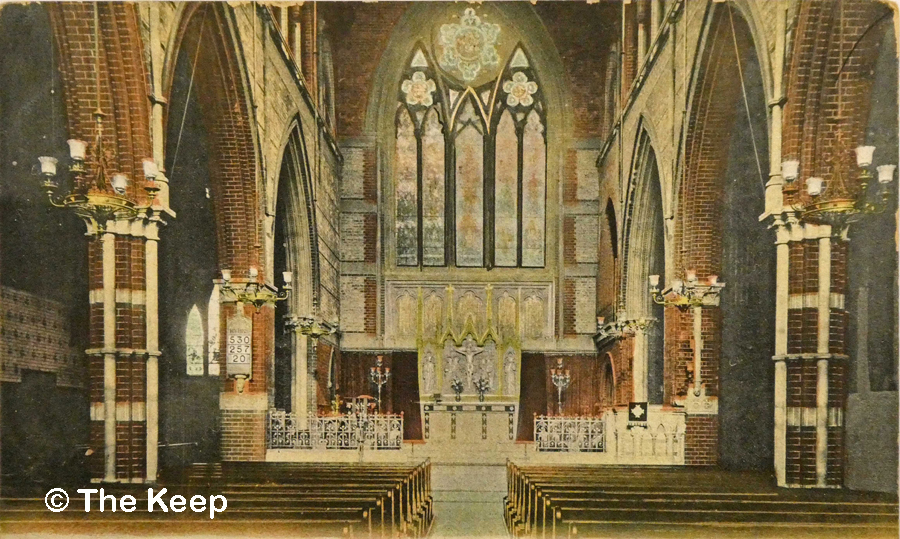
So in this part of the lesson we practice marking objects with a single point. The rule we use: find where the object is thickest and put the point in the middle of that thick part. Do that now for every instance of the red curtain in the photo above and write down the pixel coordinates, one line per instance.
(533, 391)
(582, 397)
(399, 394)
(405, 392)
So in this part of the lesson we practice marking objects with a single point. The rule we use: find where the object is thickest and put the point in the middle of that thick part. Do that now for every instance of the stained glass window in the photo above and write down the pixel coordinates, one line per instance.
(407, 191)
(469, 189)
(484, 148)
(433, 189)
(194, 341)
(534, 181)
(506, 192)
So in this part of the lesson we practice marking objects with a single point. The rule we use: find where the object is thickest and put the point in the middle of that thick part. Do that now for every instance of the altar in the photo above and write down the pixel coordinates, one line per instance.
(469, 339)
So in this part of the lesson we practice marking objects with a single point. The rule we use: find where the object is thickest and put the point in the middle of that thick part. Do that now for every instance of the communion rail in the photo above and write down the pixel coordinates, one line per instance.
(373, 431)
(561, 433)
(658, 440)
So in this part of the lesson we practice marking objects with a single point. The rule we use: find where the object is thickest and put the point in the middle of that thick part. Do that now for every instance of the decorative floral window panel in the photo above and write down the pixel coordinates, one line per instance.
(506, 192)
(407, 196)
(534, 187)
(194, 341)
(469, 194)
(433, 190)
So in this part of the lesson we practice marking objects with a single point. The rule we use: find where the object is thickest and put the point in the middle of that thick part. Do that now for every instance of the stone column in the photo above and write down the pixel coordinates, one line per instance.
(300, 378)
(782, 236)
(109, 356)
(639, 365)
(151, 249)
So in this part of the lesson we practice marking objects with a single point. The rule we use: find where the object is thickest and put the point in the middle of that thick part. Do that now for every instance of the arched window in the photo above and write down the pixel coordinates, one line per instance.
(470, 167)
(194, 342)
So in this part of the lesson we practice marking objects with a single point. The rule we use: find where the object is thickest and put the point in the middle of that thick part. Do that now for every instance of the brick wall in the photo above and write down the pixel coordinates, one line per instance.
(123, 82)
(243, 434)
(583, 34)
(36, 335)
(701, 440)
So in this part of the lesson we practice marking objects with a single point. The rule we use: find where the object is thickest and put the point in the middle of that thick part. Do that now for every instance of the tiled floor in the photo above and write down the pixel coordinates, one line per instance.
(468, 501)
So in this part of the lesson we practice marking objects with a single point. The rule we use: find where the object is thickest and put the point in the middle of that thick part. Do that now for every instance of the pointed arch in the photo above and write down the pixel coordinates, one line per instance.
(644, 232)
(607, 396)
(205, 39)
(608, 262)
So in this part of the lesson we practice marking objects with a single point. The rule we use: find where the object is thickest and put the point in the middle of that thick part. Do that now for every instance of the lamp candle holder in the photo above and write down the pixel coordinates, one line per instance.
(837, 205)
(252, 291)
(103, 198)
(688, 293)
(379, 376)
(561, 378)
(619, 328)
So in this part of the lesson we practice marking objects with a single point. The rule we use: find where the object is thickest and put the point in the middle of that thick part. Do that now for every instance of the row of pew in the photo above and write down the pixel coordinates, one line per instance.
(591, 501)
(299, 499)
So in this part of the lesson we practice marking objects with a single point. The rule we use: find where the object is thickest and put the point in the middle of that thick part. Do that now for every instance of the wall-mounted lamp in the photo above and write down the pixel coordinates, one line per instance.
(254, 292)
(695, 296)
(619, 328)
(687, 294)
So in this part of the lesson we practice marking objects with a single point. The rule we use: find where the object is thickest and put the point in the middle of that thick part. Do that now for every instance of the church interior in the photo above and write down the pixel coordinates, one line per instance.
(551, 268)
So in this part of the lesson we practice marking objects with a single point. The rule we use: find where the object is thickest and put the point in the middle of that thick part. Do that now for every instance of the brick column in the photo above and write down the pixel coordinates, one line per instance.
(243, 410)
(121, 365)
(309, 48)
(810, 357)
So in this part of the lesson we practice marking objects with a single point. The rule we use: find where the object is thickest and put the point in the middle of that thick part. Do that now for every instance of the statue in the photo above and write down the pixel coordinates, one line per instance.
(428, 373)
(469, 350)
(509, 372)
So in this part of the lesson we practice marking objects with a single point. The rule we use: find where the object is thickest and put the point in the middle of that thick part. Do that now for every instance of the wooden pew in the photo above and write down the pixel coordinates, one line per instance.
(307, 500)
(585, 501)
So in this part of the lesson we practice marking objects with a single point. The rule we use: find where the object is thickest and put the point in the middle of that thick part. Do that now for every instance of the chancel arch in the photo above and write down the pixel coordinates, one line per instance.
(470, 152)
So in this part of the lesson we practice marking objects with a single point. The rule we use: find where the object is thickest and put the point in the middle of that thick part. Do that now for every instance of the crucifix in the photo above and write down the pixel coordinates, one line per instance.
(469, 349)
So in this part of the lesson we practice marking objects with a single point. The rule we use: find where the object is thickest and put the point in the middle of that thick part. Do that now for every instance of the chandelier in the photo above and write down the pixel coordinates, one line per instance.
(838, 204)
(835, 205)
(97, 194)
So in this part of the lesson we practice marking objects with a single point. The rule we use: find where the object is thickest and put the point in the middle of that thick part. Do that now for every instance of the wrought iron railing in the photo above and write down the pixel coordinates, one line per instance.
(561, 433)
(371, 431)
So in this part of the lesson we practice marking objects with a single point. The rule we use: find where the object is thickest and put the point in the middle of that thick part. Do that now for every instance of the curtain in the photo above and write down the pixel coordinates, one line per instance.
(582, 397)
(354, 377)
(405, 391)
(533, 399)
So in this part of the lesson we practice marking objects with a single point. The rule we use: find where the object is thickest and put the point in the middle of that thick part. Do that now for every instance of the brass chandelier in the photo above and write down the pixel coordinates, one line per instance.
(836, 204)
(101, 197)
